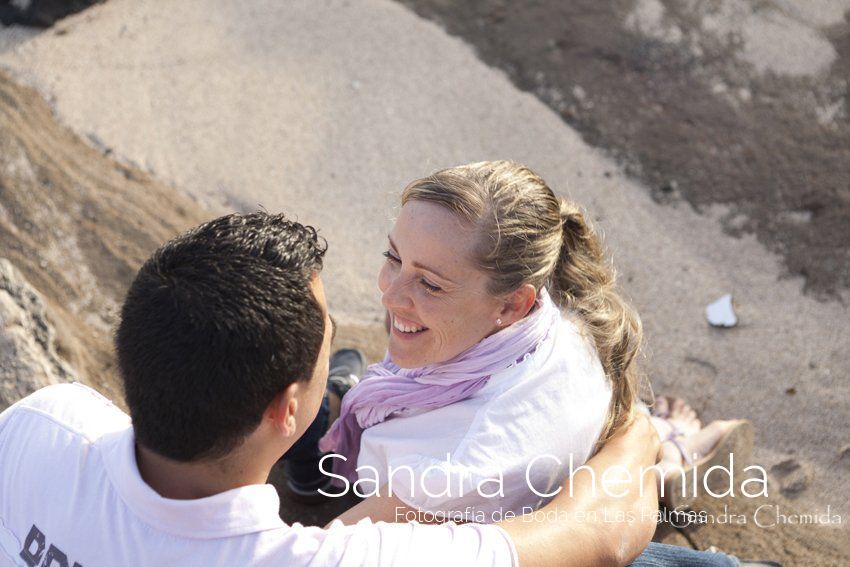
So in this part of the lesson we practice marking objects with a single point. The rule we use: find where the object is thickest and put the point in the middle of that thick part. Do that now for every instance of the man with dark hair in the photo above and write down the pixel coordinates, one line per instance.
(230, 299)
(223, 347)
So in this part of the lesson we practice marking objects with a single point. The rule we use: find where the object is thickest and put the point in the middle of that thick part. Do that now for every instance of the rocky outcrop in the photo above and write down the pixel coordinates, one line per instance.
(28, 357)
(76, 225)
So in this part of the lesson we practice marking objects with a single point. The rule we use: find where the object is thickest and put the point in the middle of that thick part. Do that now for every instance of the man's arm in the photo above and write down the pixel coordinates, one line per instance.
(588, 528)
(592, 527)
(381, 507)
(386, 507)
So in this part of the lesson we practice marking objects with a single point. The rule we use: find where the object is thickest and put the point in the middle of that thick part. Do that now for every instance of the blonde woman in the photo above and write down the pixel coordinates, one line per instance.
(510, 356)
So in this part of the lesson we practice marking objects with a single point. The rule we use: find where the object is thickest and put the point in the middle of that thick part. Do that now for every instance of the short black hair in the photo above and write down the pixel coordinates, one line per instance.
(216, 323)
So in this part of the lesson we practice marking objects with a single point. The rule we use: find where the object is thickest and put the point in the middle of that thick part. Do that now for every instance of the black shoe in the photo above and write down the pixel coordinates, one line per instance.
(347, 365)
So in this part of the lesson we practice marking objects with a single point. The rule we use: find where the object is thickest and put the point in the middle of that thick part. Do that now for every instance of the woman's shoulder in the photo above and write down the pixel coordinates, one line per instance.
(574, 351)
(572, 330)
(564, 370)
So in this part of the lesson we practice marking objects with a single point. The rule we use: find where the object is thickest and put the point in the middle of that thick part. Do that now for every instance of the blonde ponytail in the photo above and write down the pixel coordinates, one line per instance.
(584, 282)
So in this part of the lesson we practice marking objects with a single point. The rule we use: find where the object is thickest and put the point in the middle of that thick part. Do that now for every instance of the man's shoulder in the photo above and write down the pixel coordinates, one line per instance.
(74, 407)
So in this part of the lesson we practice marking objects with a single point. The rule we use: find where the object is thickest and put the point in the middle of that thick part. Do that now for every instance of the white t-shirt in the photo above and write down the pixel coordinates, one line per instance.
(528, 418)
(71, 495)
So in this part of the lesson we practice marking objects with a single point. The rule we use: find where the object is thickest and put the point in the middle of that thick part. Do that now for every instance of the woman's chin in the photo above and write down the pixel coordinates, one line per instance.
(403, 358)
(402, 361)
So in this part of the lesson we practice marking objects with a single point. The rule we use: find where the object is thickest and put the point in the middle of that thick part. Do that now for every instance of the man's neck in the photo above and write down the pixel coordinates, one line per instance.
(200, 479)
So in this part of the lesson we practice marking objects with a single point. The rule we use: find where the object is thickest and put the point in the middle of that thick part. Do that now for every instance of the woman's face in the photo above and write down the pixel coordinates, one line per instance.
(436, 297)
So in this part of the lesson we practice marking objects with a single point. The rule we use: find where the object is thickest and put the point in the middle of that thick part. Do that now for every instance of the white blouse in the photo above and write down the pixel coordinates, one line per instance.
(504, 450)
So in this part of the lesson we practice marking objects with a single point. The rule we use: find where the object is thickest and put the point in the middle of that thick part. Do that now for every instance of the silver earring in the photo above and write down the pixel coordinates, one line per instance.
(499, 322)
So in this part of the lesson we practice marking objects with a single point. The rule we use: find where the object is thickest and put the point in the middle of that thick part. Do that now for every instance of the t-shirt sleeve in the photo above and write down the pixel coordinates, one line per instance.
(385, 545)
(74, 406)
(5, 415)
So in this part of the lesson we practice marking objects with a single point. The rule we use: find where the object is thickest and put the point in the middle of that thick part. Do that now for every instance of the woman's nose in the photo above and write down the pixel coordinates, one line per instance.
(395, 294)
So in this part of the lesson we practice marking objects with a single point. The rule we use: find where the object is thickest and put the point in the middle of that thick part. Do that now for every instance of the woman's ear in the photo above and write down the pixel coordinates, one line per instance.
(283, 409)
(517, 304)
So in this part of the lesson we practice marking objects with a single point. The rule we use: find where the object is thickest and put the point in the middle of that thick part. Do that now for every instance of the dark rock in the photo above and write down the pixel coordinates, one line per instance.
(40, 13)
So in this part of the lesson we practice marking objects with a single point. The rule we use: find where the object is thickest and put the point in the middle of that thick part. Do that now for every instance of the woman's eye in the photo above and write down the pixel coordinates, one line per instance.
(431, 287)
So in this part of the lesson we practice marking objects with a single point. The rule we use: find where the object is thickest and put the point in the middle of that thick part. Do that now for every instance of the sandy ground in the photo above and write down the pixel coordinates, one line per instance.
(325, 109)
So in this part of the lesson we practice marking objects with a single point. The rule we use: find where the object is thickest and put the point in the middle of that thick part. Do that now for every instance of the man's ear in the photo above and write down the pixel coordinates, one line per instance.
(283, 409)
(517, 304)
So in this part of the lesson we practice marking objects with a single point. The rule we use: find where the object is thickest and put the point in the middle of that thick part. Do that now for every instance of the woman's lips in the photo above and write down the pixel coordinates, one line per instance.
(406, 328)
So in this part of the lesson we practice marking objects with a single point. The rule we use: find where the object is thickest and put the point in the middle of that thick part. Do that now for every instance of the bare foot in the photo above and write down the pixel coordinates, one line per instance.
(674, 414)
(696, 446)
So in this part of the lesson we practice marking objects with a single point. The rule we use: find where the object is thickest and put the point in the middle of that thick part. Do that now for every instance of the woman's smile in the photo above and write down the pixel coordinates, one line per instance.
(435, 295)
(407, 327)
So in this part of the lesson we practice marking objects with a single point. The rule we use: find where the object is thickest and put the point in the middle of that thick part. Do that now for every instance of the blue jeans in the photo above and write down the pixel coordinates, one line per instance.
(663, 555)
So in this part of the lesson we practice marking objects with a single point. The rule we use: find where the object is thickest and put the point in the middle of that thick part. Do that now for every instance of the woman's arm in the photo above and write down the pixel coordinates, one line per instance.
(595, 526)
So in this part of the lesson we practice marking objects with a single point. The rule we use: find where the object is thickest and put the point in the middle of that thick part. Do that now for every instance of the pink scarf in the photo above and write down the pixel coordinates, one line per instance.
(386, 389)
